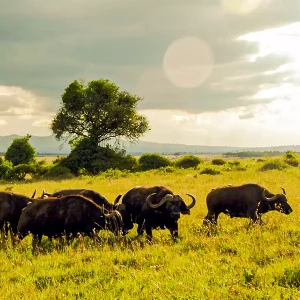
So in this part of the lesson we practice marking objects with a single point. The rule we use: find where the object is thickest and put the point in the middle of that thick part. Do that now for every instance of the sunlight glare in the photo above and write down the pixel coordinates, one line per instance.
(240, 7)
(188, 62)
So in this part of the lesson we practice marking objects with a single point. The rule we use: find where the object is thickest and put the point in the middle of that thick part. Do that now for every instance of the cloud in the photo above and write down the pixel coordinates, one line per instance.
(46, 45)
(16, 101)
(229, 86)
(45, 49)
(42, 123)
(249, 115)
(269, 124)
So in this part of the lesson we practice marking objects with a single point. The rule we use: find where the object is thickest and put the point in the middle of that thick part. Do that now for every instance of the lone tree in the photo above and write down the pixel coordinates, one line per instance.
(20, 151)
(98, 111)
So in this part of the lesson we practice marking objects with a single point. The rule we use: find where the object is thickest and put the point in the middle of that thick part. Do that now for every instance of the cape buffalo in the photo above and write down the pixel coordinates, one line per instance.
(67, 215)
(11, 206)
(152, 207)
(95, 197)
(245, 201)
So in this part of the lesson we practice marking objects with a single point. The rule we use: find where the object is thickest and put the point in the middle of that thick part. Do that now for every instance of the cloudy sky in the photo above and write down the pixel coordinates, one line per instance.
(212, 72)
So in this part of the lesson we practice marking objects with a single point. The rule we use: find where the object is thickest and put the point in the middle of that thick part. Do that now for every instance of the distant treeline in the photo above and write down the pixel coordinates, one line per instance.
(253, 154)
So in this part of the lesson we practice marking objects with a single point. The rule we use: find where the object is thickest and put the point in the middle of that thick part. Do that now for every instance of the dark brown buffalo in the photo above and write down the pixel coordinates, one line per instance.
(93, 195)
(67, 215)
(153, 207)
(245, 201)
(11, 206)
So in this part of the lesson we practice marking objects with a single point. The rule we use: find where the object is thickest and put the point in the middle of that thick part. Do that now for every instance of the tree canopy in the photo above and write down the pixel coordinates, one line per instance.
(98, 111)
(20, 151)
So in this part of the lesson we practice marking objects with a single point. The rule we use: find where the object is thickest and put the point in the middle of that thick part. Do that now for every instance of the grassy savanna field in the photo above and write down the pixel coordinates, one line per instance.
(232, 262)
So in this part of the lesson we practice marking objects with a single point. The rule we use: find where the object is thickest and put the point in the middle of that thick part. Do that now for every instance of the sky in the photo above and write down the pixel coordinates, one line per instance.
(211, 72)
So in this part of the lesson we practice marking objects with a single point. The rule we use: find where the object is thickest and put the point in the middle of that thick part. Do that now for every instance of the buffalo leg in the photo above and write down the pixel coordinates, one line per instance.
(13, 234)
(174, 231)
(261, 222)
(3, 233)
(141, 226)
(69, 238)
(148, 232)
(253, 217)
(211, 218)
(95, 236)
(36, 242)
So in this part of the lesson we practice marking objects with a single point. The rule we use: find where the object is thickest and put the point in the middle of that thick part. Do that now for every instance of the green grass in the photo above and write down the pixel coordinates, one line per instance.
(232, 262)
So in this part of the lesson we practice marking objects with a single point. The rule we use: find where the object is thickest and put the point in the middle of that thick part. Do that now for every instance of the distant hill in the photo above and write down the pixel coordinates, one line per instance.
(42, 144)
(49, 145)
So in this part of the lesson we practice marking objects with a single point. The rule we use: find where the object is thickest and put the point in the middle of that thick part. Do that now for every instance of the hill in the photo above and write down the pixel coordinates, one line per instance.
(49, 145)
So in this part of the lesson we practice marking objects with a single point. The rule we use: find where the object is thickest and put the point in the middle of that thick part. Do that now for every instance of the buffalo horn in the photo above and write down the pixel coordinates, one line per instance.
(283, 190)
(193, 202)
(268, 199)
(117, 199)
(162, 201)
(33, 194)
(104, 211)
(46, 194)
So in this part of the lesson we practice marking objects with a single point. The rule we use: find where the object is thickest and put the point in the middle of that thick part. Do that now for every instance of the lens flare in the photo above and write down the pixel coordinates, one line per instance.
(240, 7)
(188, 62)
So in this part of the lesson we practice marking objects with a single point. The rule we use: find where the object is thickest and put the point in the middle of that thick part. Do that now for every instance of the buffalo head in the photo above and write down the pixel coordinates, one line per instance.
(113, 222)
(278, 202)
(121, 208)
(174, 204)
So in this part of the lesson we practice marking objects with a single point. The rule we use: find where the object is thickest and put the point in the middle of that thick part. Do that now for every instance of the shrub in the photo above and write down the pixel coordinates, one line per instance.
(127, 162)
(40, 169)
(153, 161)
(290, 158)
(292, 162)
(6, 170)
(20, 151)
(234, 163)
(260, 160)
(22, 170)
(188, 161)
(59, 160)
(210, 171)
(218, 162)
(168, 169)
(290, 155)
(235, 166)
(95, 159)
(83, 172)
(274, 164)
(81, 156)
(58, 171)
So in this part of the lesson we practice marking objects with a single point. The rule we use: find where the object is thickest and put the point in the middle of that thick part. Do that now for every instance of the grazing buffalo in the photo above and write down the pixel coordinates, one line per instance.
(153, 207)
(67, 215)
(95, 197)
(245, 201)
(11, 206)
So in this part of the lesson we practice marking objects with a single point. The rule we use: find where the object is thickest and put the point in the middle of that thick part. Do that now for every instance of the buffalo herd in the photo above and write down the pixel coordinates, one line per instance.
(70, 212)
